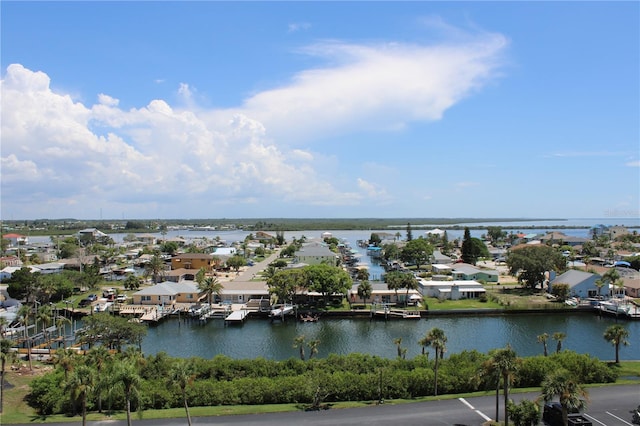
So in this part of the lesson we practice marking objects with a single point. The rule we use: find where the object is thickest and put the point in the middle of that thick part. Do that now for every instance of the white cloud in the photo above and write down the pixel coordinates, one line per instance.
(375, 86)
(635, 163)
(161, 158)
(108, 100)
(140, 157)
(298, 26)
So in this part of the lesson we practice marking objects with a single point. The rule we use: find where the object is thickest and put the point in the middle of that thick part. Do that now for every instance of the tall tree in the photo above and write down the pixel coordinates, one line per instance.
(6, 356)
(313, 348)
(182, 376)
(409, 233)
(24, 313)
(298, 342)
(616, 335)
(365, 290)
(531, 262)
(438, 341)
(506, 361)
(468, 249)
(558, 336)
(542, 338)
(126, 377)
(99, 358)
(417, 251)
(570, 393)
(211, 286)
(155, 268)
(80, 385)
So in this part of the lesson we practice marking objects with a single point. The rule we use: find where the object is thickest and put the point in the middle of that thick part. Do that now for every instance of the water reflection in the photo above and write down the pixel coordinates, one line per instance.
(261, 338)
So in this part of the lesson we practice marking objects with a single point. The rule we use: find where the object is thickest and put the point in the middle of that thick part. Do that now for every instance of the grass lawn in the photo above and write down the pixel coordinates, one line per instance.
(440, 305)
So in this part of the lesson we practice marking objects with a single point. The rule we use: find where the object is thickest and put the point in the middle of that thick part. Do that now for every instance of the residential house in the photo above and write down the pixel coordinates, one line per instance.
(90, 233)
(617, 231)
(193, 261)
(453, 290)
(147, 239)
(632, 287)
(234, 292)
(562, 239)
(11, 261)
(316, 254)
(381, 294)
(168, 293)
(464, 271)
(16, 240)
(181, 274)
(581, 283)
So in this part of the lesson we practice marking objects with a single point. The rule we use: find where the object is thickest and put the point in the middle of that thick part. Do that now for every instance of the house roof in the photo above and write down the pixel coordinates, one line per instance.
(169, 288)
(315, 250)
(194, 256)
(467, 269)
(12, 236)
(573, 277)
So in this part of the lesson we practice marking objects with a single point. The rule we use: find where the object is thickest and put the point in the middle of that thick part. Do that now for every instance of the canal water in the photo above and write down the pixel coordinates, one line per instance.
(262, 338)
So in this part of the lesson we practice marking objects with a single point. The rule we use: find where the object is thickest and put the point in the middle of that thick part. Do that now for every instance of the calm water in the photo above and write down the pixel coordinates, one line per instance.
(261, 338)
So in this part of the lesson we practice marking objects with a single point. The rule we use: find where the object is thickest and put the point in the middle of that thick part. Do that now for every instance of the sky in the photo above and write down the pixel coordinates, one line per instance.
(168, 110)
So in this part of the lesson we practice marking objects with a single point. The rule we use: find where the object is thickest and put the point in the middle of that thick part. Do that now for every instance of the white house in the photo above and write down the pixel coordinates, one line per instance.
(454, 290)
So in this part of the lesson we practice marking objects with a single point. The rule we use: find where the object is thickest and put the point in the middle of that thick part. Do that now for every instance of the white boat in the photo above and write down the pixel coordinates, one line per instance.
(282, 310)
(619, 308)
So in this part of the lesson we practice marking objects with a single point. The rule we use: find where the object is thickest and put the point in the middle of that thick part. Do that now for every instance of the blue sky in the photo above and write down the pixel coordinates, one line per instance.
(327, 109)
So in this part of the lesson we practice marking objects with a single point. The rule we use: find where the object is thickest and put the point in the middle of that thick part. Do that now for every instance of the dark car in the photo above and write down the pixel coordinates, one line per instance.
(552, 416)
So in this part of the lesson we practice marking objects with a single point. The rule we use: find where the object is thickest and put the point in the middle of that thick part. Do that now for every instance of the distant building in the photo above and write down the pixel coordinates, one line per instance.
(15, 239)
(193, 261)
(168, 293)
(581, 284)
(315, 254)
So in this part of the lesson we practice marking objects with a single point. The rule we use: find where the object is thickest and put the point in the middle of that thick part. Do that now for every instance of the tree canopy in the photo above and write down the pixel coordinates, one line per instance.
(531, 262)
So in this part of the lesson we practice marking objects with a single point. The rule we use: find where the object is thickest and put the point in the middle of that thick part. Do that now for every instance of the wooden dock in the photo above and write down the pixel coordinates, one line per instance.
(387, 313)
(237, 316)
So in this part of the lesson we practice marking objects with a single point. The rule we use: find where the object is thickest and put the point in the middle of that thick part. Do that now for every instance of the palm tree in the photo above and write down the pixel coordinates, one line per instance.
(489, 369)
(571, 394)
(600, 283)
(80, 385)
(611, 277)
(125, 377)
(365, 290)
(43, 314)
(6, 356)
(98, 357)
(24, 313)
(210, 285)
(362, 274)
(542, 338)
(616, 335)
(558, 336)
(410, 283)
(66, 359)
(506, 362)
(61, 324)
(155, 267)
(182, 376)
(424, 342)
(4, 323)
(298, 342)
(398, 343)
(438, 341)
(313, 348)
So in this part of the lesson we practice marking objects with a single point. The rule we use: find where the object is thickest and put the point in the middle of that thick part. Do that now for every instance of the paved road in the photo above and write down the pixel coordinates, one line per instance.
(608, 406)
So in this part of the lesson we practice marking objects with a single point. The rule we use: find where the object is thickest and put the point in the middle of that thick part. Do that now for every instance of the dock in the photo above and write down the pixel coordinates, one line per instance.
(387, 313)
(237, 316)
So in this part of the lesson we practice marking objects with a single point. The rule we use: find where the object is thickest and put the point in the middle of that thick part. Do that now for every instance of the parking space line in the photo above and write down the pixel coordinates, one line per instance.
(480, 413)
(594, 419)
(616, 417)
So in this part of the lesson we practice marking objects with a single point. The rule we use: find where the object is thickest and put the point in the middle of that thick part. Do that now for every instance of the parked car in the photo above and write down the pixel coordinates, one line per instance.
(121, 298)
(92, 297)
(552, 416)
